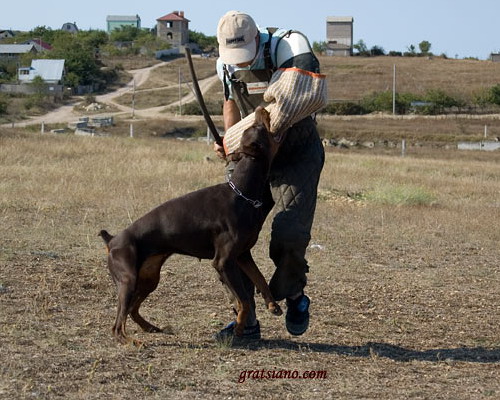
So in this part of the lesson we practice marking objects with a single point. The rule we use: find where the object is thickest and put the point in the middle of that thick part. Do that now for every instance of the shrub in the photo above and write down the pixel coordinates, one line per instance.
(482, 97)
(343, 108)
(383, 101)
(438, 101)
(3, 104)
(378, 101)
(89, 99)
(213, 107)
(494, 95)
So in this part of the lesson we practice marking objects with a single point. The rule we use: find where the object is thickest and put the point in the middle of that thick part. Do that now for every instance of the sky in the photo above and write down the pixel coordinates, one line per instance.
(457, 28)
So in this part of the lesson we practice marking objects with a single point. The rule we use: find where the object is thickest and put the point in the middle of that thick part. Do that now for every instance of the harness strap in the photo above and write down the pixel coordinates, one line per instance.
(268, 61)
(267, 50)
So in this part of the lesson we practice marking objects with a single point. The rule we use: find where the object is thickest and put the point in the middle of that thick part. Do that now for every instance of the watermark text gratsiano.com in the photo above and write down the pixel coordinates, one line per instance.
(260, 374)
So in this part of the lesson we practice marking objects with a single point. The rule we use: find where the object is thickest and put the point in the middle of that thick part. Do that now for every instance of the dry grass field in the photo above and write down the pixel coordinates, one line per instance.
(404, 278)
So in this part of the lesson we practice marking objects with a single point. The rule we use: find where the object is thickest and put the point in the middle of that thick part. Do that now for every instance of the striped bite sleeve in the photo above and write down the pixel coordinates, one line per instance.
(293, 95)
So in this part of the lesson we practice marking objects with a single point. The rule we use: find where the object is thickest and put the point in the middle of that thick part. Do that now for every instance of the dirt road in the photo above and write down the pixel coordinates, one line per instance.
(66, 112)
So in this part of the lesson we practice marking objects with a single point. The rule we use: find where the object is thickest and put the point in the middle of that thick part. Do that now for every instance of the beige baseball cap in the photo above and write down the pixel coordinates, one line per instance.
(236, 34)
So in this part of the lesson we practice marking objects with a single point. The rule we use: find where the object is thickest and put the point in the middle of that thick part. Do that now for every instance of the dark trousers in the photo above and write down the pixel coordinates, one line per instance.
(293, 179)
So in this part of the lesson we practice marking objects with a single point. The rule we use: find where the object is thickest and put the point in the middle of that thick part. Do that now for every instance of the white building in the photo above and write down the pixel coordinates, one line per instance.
(51, 71)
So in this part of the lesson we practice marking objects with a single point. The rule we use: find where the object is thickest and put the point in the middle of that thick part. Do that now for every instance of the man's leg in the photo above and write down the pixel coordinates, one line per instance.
(294, 181)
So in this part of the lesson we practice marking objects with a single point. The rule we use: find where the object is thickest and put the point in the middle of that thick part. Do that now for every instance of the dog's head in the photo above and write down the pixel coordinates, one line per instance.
(257, 141)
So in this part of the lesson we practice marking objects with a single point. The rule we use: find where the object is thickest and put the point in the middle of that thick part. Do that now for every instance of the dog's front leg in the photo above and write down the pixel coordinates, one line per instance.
(231, 275)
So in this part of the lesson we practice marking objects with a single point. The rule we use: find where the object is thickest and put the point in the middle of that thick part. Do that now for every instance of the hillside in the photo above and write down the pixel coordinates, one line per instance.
(349, 79)
(354, 77)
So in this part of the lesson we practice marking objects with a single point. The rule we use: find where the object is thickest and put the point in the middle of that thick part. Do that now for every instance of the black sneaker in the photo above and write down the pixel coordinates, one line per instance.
(227, 335)
(297, 315)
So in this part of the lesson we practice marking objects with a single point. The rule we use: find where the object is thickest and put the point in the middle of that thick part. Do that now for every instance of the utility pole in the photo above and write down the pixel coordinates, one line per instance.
(180, 92)
(394, 91)
(133, 98)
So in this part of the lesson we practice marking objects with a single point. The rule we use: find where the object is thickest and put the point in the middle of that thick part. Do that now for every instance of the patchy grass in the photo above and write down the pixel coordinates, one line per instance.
(405, 300)
(400, 195)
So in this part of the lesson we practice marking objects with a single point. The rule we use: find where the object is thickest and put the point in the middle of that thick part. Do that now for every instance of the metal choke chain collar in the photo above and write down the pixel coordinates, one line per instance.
(254, 203)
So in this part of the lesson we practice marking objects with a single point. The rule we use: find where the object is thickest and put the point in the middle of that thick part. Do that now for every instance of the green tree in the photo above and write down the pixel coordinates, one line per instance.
(361, 48)
(71, 80)
(43, 33)
(206, 43)
(79, 56)
(37, 99)
(377, 51)
(411, 51)
(93, 38)
(8, 71)
(319, 47)
(124, 34)
(149, 44)
(425, 47)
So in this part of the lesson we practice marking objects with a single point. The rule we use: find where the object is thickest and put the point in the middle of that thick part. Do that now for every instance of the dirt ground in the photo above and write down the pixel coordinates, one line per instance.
(405, 297)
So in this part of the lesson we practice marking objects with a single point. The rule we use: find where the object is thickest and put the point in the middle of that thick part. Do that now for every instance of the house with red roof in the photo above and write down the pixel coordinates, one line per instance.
(39, 44)
(173, 28)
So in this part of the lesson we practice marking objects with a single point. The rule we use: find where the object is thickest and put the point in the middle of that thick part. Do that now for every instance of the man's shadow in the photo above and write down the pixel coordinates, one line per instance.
(396, 353)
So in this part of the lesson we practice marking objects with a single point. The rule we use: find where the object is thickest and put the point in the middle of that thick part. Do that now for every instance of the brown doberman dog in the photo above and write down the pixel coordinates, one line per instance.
(220, 222)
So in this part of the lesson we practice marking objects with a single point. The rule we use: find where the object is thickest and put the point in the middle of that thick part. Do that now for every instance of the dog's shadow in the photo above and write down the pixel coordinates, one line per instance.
(384, 350)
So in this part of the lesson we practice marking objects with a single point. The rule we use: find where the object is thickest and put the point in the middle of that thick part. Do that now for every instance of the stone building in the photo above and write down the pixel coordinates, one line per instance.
(173, 28)
(339, 36)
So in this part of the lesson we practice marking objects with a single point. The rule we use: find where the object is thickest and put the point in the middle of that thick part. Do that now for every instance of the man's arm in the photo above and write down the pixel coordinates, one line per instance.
(231, 114)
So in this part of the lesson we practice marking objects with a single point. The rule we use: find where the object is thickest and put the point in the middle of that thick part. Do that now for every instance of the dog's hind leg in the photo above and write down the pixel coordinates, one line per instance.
(149, 276)
(248, 266)
(122, 268)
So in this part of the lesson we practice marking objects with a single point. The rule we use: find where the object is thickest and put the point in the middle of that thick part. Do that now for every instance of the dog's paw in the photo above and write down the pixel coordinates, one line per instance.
(275, 309)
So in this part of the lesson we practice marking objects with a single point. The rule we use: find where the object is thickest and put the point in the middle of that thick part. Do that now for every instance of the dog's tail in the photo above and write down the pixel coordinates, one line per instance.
(106, 237)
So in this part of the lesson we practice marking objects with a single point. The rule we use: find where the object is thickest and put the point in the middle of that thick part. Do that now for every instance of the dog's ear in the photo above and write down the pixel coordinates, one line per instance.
(106, 237)
(262, 117)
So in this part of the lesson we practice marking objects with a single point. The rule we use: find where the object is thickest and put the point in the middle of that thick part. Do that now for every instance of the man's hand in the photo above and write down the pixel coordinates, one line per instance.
(219, 150)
